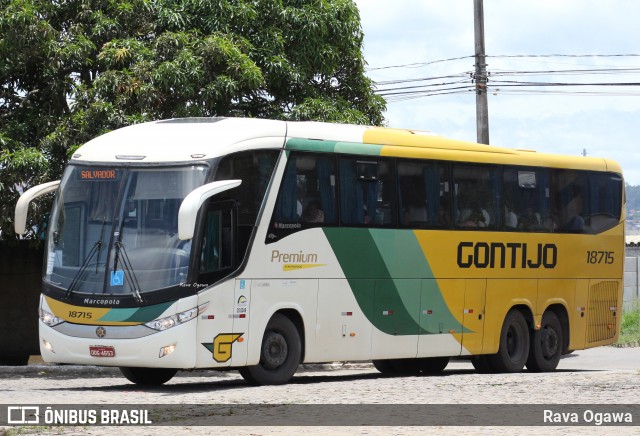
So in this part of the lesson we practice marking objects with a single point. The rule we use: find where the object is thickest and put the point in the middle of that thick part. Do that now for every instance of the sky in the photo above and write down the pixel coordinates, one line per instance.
(418, 39)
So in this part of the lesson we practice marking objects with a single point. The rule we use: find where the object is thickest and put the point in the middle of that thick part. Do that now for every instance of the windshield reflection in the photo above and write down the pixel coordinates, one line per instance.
(115, 230)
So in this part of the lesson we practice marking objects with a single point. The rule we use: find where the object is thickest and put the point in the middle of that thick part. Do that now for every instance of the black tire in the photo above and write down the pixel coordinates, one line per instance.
(148, 376)
(426, 365)
(432, 365)
(482, 364)
(385, 367)
(546, 344)
(280, 354)
(405, 366)
(514, 344)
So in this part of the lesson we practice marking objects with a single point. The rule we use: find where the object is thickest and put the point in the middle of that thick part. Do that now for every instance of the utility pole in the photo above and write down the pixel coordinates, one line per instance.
(482, 110)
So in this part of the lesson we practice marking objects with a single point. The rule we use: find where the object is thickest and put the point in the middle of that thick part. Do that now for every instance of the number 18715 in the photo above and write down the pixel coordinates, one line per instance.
(600, 257)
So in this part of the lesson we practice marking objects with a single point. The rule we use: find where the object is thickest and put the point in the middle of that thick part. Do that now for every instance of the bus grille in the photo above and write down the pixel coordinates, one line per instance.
(602, 321)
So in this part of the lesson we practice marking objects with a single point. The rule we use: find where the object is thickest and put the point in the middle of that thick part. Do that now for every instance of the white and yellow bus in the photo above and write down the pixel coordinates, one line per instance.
(257, 245)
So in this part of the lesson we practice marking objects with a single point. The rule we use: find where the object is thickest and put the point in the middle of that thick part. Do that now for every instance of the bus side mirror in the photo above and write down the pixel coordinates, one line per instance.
(22, 206)
(191, 205)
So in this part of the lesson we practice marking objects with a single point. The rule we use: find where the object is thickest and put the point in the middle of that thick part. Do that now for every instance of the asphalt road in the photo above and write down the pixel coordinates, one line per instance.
(603, 359)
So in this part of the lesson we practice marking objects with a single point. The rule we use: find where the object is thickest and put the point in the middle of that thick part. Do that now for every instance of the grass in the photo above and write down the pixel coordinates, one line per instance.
(630, 329)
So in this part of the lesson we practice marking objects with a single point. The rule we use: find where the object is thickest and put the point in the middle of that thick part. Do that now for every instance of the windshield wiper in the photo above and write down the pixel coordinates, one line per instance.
(131, 276)
(97, 247)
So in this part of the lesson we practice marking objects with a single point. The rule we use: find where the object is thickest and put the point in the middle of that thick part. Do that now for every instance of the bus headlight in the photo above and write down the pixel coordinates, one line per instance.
(48, 318)
(179, 318)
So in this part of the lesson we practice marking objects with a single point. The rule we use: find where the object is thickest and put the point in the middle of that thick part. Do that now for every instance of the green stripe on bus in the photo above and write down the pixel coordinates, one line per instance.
(391, 289)
(370, 280)
(310, 145)
(402, 253)
(412, 264)
(355, 148)
(322, 146)
(136, 314)
(118, 315)
(149, 313)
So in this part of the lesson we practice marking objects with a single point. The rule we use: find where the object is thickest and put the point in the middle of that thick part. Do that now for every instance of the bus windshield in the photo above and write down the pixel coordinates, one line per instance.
(114, 229)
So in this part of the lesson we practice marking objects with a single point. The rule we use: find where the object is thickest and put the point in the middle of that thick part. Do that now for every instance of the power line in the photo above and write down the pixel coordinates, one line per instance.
(499, 80)
(417, 64)
(568, 71)
(519, 83)
(556, 55)
(403, 88)
(420, 79)
(567, 55)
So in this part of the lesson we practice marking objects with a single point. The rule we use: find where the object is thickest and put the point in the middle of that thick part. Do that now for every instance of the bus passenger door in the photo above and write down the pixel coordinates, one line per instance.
(473, 316)
(214, 247)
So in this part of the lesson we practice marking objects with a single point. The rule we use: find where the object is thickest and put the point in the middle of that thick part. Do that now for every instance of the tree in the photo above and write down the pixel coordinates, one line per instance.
(73, 69)
(633, 199)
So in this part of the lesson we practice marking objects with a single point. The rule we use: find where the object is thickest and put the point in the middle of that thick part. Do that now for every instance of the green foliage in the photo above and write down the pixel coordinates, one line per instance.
(71, 70)
(630, 328)
(633, 198)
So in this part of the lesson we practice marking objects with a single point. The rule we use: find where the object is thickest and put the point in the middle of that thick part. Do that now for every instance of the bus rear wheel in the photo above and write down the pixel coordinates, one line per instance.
(546, 345)
(514, 344)
(148, 376)
(482, 364)
(398, 366)
(280, 354)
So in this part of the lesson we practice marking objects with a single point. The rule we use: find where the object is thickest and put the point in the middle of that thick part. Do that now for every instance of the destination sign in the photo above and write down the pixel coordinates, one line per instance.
(102, 174)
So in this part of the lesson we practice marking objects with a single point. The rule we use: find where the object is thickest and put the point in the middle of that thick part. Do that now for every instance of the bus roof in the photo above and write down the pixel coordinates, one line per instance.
(179, 140)
(189, 139)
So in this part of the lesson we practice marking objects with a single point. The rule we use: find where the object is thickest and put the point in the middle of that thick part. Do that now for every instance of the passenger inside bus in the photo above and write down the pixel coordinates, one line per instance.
(510, 217)
(576, 223)
(477, 217)
(472, 214)
(529, 219)
(313, 213)
(415, 213)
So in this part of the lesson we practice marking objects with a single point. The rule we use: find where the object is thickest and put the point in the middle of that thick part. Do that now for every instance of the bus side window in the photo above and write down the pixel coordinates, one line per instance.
(217, 243)
(526, 200)
(367, 191)
(476, 196)
(307, 195)
(254, 168)
(423, 194)
(605, 195)
(570, 189)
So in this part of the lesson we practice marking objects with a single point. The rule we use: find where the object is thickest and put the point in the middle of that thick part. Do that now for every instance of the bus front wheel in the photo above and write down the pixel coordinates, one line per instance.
(279, 355)
(514, 344)
(546, 344)
(413, 366)
(148, 376)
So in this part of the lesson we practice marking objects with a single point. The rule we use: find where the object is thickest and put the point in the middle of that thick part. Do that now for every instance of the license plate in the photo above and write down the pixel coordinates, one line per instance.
(102, 351)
